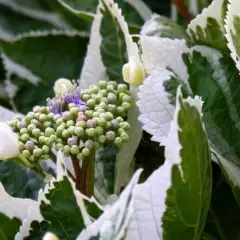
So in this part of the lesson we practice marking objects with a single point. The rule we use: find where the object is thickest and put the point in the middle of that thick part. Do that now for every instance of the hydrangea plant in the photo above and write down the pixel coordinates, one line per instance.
(178, 85)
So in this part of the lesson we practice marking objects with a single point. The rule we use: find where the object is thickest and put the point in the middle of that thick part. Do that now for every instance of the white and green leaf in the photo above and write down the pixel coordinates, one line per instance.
(233, 31)
(161, 209)
(208, 27)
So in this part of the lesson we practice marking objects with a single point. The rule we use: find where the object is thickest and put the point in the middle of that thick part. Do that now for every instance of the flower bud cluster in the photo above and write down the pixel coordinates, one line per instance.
(82, 122)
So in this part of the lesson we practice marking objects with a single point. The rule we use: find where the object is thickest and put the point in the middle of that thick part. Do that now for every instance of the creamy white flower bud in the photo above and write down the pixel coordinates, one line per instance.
(8, 142)
(133, 72)
(63, 86)
(50, 236)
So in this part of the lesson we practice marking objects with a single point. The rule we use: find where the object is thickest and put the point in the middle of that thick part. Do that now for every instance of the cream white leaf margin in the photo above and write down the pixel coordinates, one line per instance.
(214, 10)
(233, 11)
(112, 224)
(150, 197)
(156, 111)
(93, 69)
(14, 207)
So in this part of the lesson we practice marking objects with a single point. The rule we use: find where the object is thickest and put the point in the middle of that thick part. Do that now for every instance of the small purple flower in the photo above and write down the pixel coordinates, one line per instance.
(76, 98)
(55, 105)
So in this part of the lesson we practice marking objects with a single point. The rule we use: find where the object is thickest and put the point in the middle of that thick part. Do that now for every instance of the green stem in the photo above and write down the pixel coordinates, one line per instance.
(25, 161)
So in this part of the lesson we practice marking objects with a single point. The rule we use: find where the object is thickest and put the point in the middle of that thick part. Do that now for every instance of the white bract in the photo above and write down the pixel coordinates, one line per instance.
(63, 86)
(50, 236)
(8, 142)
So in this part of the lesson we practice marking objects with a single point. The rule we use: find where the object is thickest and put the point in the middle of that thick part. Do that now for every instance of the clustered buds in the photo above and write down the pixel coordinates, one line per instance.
(76, 123)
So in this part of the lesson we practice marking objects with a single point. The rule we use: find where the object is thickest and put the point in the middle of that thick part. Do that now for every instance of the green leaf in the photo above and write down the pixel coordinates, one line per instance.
(113, 46)
(216, 80)
(233, 31)
(8, 227)
(160, 26)
(19, 181)
(13, 24)
(64, 210)
(186, 172)
(208, 28)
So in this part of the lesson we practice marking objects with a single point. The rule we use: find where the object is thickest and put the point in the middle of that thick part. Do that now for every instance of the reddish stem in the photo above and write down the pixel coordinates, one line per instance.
(182, 9)
(77, 173)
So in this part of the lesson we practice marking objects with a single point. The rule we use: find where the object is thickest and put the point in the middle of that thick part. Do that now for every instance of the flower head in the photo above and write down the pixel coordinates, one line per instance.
(8, 142)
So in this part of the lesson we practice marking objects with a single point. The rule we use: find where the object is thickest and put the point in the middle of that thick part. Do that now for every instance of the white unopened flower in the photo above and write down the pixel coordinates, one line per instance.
(63, 86)
(50, 236)
(133, 72)
(8, 142)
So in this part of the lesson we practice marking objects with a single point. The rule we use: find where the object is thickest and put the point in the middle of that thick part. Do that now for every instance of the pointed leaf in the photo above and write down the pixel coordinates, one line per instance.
(161, 209)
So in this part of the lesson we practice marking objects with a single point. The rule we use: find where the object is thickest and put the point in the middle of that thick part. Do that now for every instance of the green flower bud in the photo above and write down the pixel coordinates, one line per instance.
(29, 145)
(28, 119)
(35, 122)
(71, 105)
(59, 140)
(59, 147)
(93, 89)
(81, 124)
(103, 105)
(126, 106)
(71, 130)
(23, 130)
(21, 146)
(25, 137)
(89, 144)
(64, 125)
(26, 154)
(50, 116)
(36, 109)
(102, 84)
(118, 142)
(45, 157)
(91, 103)
(48, 141)
(101, 122)
(66, 149)
(91, 123)
(109, 116)
(86, 97)
(111, 108)
(96, 145)
(43, 118)
(36, 132)
(37, 153)
(103, 92)
(53, 138)
(74, 149)
(46, 149)
(124, 137)
(120, 131)
(100, 110)
(89, 113)
(108, 125)
(79, 156)
(86, 152)
(102, 139)
(74, 111)
(124, 125)
(49, 131)
(115, 123)
(31, 127)
(65, 133)
(110, 135)
(47, 124)
(112, 98)
(60, 130)
(98, 98)
(119, 119)
(91, 132)
(67, 115)
(70, 123)
(56, 117)
(72, 141)
(85, 91)
(105, 100)
(113, 83)
(79, 131)
(41, 140)
(126, 98)
(99, 130)
(122, 88)
(110, 88)
(121, 111)
(95, 114)
(59, 121)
